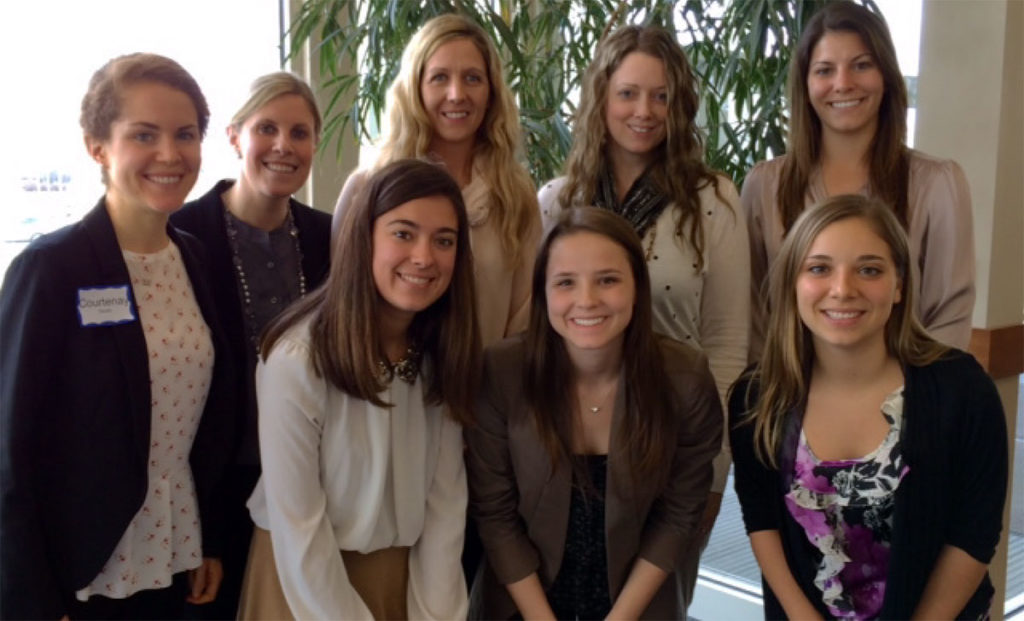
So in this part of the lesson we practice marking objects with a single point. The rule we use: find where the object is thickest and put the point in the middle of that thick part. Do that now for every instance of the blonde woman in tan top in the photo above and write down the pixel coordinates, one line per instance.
(847, 128)
(450, 103)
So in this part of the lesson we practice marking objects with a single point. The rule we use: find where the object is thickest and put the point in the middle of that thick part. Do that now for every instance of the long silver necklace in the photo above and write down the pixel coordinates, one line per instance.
(243, 283)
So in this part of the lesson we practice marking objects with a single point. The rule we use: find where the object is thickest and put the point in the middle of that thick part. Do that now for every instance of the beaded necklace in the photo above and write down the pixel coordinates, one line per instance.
(243, 283)
(405, 369)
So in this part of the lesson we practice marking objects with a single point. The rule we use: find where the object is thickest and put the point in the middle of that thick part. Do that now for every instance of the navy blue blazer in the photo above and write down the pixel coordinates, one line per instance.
(204, 218)
(75, 418)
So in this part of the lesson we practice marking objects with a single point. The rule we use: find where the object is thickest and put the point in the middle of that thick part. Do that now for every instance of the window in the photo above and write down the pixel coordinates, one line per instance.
(53, 48)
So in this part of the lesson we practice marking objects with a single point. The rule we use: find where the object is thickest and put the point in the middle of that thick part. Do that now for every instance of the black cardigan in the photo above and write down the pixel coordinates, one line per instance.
(204, 218)
(953, 439)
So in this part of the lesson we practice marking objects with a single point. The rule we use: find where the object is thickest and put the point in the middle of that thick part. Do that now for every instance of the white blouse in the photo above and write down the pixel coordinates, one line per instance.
(164, 537)
(340, 473)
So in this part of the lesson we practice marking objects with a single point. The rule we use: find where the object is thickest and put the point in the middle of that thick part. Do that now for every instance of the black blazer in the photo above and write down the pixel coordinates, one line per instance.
(204, 218)
(75, 418)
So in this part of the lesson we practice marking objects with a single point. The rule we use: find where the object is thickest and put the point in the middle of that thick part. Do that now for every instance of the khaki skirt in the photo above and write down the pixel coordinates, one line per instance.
(381, 579)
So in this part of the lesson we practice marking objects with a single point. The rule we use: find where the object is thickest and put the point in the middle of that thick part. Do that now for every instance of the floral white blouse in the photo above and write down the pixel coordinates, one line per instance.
(164, 537)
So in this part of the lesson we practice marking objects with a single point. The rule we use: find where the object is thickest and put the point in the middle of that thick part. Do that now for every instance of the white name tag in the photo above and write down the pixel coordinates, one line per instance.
(105, 306)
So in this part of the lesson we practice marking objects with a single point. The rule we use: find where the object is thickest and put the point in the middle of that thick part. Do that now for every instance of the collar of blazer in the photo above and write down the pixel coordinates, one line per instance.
(130, 339)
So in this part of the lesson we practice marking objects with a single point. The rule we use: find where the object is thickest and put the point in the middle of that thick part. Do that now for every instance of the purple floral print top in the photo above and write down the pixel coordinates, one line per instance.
(846, 508)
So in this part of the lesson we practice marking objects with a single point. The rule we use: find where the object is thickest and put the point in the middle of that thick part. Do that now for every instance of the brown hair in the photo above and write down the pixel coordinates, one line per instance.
(548, 374)
(678, 167)
(344, 334)
(890, 161)
(101, 105)
(783, 373)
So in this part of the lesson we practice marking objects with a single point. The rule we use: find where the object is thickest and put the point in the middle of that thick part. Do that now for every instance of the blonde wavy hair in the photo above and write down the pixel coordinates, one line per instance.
(409, 131)
(782, 376)
(678, 167)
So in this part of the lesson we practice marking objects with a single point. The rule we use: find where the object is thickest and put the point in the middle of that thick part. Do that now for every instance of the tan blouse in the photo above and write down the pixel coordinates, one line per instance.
(940, 232)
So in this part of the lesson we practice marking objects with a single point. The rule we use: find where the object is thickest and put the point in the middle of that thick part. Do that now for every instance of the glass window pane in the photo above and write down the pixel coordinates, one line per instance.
(53, 48)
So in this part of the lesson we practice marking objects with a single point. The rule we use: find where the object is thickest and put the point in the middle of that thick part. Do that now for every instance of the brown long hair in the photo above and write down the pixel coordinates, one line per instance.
(548, 374)
(678, 167)
(890, 161)
(783, 373)
(344, 335)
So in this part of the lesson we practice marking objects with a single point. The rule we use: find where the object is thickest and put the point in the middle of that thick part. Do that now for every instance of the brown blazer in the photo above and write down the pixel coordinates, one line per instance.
(521, 506)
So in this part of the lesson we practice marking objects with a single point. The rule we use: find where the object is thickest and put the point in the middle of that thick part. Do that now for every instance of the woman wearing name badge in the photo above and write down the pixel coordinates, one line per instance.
(450, 103)
(266, 250)
(115, 400)
(363, 387)
(637, 151)
(871, 460)
(848, 121)
(590, 462)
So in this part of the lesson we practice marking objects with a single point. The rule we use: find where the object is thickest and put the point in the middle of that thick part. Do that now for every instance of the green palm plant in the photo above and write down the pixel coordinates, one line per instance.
(740, 51)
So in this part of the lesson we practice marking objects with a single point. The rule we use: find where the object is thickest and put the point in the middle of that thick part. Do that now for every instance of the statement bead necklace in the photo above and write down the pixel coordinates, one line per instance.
(405, 369)
(243, 283)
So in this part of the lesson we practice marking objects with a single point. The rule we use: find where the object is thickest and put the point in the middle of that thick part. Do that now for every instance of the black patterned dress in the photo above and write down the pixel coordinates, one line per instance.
(580, 591)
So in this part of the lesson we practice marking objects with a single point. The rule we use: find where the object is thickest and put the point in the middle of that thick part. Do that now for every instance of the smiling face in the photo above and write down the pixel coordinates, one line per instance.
(276, 144)
(590, 293)
(636, 106)
(152, 157)
(844, 84)
(847, 286)
(455, 92)
(414, 248)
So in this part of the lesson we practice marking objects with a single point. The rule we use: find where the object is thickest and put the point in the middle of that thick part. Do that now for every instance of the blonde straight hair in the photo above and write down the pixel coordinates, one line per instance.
(782, 375)
(269, 87)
